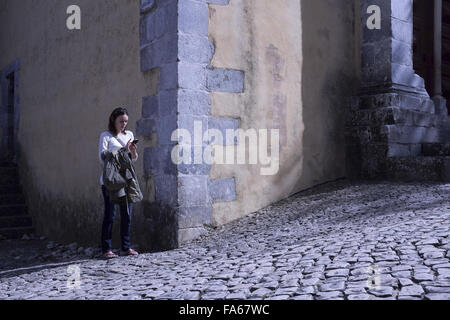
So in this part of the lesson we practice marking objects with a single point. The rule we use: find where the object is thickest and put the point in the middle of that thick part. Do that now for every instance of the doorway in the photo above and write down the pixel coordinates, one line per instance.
(423, 61)
(9, 114)
(9, 130)
(446, 51)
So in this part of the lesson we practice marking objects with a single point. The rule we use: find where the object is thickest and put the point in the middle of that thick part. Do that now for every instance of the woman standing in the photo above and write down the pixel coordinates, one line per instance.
(113, 139)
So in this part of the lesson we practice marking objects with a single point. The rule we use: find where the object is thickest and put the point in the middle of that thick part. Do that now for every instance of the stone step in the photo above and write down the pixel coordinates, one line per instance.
(391, 133)
(8, 164)
(414, 102)
(15, 233)
(436, 149)
(15, 222)
(392, 115)
(444, 129)
(8, 169)
(13, 210)
(13, 198)
(10, 188)
(421, 168)
(9, 175)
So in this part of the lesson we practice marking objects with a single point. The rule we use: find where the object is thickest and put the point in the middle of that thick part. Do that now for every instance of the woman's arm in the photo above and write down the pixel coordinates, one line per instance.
(102, 146)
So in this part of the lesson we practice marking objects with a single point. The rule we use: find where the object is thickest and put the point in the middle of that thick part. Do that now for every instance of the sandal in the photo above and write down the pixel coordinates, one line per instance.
(130, 252)
(109, 255)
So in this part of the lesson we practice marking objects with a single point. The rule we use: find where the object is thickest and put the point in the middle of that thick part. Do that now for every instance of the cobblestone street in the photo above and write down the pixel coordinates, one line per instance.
(340, 240)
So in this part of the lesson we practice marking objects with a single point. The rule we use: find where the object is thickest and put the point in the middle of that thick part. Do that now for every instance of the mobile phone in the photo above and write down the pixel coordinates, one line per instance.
(135, 141)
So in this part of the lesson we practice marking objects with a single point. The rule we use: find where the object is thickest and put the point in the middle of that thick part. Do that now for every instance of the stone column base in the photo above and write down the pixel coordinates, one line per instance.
(440, 105)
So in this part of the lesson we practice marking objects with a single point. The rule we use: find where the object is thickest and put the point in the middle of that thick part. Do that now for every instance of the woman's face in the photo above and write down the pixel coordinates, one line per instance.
(121, 123)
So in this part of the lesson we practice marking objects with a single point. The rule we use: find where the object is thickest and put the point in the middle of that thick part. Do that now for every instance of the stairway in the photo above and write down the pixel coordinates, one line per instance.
(14, 218)
(397, 136)
(433, 164)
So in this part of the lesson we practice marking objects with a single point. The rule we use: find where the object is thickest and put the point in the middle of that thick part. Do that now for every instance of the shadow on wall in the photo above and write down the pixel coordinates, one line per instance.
(329, 79)
(64, 220)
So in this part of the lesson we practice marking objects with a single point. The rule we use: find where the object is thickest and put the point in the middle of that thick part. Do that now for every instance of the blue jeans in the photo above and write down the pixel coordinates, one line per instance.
(108, 219)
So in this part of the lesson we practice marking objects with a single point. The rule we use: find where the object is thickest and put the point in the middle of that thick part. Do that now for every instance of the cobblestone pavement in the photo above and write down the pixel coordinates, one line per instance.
(340, 240)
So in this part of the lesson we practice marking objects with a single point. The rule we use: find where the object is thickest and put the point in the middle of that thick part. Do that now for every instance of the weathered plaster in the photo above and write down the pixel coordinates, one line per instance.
(70, 81)
(299, 61)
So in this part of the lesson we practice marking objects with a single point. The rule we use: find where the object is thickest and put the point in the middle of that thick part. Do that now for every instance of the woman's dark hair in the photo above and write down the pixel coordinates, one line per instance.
(112, 118)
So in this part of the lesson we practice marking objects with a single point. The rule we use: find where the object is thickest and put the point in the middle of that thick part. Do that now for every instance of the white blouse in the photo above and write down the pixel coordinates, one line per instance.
(110, 142)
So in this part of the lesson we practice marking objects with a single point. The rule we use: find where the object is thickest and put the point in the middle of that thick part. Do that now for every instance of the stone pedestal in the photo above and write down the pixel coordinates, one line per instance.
(440, 104)
(380, 127)
(393, 116)
(387, 52)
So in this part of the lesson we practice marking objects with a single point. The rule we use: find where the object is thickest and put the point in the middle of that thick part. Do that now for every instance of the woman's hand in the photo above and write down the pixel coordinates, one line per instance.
(131, 147)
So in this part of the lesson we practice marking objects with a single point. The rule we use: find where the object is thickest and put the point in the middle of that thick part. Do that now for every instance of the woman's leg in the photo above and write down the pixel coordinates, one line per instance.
(125, 223)
(108, 219)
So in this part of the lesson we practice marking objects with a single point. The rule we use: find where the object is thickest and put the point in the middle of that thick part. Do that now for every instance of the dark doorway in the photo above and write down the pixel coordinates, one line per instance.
(423, 41)
(446, 51)
(9, 114)
(10, 148)
(423, 45)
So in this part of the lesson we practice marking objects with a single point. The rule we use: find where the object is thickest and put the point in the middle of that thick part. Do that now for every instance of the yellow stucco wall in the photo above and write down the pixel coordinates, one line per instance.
(70, 81)
(300, 66)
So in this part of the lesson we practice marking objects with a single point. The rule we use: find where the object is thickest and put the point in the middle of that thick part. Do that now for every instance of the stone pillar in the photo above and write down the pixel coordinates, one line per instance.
(387, 52)
(393, 116)
(439, 100)
(174, 41)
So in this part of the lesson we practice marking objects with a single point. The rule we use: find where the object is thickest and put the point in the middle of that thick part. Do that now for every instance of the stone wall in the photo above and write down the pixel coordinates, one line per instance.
(301, 64)
(250, 64)
(393, 120)
(69, 82)
(174, 41)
